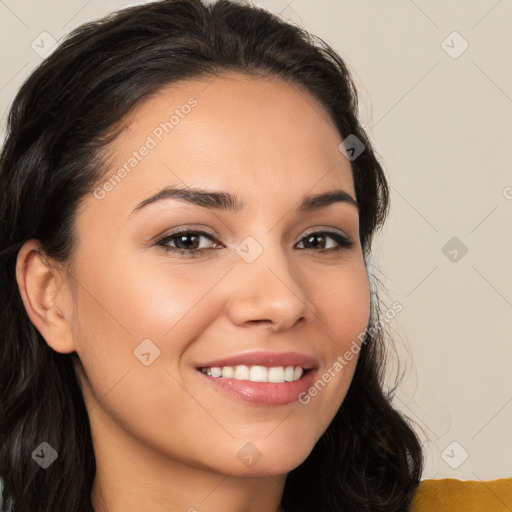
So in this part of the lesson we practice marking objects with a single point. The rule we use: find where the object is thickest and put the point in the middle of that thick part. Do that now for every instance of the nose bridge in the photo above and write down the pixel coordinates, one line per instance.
(267, 287)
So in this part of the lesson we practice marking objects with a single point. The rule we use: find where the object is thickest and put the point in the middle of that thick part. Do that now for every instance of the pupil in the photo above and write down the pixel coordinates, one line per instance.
(182, 239)
(311, 238)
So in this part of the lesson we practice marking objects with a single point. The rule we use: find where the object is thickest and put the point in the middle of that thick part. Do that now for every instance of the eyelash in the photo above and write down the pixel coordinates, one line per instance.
(343, 241)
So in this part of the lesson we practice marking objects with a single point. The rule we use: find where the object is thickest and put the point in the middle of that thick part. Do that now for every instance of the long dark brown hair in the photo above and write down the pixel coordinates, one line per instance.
(64, 115)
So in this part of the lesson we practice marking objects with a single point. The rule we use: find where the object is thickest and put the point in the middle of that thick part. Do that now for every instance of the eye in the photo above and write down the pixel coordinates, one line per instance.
(186, 242)
(319, 240)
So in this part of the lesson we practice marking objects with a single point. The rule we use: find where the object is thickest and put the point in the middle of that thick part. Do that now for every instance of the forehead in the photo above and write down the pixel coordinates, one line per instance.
(250, 134)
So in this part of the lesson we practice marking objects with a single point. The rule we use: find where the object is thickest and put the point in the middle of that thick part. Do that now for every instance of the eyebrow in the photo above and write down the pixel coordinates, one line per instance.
(219, 200)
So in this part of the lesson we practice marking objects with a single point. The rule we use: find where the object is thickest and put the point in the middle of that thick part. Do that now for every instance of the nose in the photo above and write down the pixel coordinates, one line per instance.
(268, 291)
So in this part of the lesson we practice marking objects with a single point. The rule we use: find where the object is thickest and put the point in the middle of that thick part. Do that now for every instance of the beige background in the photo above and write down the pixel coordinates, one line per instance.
(441, 123)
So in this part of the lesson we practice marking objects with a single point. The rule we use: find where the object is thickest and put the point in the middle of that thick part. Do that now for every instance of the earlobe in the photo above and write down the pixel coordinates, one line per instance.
(39, 286)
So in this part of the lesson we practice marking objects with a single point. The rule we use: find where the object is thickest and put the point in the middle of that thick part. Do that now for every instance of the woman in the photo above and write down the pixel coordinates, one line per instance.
(189, 322)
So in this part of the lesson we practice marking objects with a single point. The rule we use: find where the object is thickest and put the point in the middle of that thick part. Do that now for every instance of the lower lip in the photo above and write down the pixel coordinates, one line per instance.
(264, 393)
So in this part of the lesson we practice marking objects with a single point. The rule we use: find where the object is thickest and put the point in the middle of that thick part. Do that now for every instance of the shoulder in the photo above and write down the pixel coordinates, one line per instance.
(451, 495)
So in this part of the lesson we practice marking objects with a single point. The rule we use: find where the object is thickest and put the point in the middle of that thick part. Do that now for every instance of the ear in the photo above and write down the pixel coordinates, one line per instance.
(40, 287)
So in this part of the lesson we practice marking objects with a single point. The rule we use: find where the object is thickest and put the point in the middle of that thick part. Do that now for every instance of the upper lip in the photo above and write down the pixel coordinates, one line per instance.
(264, 359)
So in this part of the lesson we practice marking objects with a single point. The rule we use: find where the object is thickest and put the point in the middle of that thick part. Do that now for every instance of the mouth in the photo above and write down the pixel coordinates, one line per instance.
(262, 378)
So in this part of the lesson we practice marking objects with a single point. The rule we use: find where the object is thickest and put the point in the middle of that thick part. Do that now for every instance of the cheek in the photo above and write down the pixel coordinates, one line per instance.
(132, 300)
(124, 307)
(343, 308)
(127, 309)
(343, 304)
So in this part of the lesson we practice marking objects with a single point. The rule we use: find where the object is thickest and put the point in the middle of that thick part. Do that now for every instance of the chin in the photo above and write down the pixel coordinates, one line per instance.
(262, 459)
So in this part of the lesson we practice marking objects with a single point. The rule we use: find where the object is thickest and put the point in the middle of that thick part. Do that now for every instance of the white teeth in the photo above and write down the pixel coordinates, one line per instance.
(276, 374)
(256, 373)
(288, 373)
(228, 372)
(215, 371)
(241, 373)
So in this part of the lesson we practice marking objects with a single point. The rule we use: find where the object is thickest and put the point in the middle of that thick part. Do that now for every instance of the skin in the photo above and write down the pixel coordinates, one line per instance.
(164, 438)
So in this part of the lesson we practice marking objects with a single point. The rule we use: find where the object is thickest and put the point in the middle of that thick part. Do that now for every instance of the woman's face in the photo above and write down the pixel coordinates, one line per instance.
(252, 288)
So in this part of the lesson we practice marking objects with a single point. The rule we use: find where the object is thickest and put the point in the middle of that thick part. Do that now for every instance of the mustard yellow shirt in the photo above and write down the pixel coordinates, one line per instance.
(451, 495)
